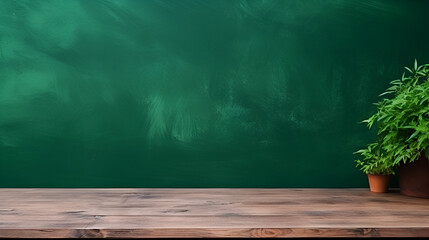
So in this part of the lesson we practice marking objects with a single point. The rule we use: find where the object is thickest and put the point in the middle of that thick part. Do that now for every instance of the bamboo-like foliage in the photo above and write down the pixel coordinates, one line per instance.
(402, 121)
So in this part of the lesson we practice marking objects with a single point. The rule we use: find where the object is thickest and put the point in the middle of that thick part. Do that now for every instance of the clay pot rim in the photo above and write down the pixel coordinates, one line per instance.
(380, 174)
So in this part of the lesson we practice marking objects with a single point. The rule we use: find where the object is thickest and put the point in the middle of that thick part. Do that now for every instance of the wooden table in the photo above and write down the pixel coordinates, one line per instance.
(217, 213)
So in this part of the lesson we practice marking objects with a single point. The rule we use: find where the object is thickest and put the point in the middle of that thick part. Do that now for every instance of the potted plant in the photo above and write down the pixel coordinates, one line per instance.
(376, 166)
(403, 129)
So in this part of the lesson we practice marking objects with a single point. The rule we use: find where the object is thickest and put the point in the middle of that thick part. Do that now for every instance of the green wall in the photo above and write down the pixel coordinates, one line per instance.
(204, 93)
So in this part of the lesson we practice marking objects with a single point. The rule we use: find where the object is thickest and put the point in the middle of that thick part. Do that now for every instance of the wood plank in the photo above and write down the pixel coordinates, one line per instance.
(217, 213)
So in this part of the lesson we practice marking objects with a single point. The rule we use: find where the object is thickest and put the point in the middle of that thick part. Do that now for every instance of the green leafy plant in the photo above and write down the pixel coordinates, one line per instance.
(374, 161)
(403, 119)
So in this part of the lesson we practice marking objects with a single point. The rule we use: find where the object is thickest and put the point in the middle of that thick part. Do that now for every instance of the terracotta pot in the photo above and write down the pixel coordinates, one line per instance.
(378, 183)
(414, 178)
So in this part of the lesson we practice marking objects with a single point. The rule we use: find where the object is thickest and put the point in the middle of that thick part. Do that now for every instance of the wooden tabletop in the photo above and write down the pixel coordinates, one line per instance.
(217, 213)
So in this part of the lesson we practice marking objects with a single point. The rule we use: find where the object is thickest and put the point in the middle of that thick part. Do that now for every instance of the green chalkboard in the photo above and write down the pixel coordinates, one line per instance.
(202, 93)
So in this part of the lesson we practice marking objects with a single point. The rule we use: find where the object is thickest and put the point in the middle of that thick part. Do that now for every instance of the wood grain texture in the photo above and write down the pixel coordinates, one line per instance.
(202, 213)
